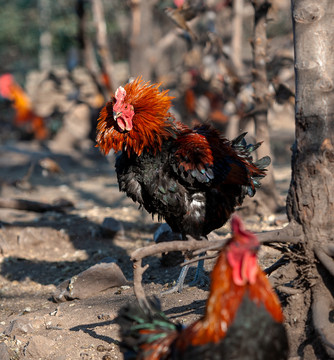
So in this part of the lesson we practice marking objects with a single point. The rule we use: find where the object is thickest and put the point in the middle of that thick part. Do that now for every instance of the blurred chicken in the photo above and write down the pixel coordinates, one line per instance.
(242, 321)
(24, 113)
(184, 12)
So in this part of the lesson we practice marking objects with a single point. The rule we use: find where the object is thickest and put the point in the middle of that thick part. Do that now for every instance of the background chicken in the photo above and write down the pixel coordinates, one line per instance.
(193, 178)
(243, 317)
(24, 114)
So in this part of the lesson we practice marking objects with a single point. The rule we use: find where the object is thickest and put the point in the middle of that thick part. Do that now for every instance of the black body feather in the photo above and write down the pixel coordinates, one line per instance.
(193, 202)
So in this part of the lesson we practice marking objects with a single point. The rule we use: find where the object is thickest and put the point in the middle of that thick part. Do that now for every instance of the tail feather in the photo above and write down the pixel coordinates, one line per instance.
(263, 163)
(257, 168)
(146, 331)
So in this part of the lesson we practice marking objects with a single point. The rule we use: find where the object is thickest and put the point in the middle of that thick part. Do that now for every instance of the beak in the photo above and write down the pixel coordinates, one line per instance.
(116, 115)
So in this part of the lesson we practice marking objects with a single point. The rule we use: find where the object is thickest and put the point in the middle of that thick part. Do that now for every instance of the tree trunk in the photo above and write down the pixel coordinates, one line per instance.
(311, 195)
(141, 38)
(103, 45)
(262, 98)
(237, 28)
(87, 57)
(45, 39)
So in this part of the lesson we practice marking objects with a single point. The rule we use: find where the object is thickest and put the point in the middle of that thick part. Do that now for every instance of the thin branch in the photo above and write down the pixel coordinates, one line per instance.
(138, 271)
(322, 305)
(173, 246)
(199, 258)
(280, 262)
(326, 260)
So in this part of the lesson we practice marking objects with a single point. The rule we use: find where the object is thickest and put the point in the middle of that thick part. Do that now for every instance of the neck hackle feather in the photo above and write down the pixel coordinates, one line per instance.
(152, 122)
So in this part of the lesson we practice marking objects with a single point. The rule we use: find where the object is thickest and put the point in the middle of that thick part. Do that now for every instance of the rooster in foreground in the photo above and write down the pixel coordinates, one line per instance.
(243, 317)
(193, 178)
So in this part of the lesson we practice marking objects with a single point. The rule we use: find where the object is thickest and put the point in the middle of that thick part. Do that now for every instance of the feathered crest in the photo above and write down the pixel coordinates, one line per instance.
(152, 121)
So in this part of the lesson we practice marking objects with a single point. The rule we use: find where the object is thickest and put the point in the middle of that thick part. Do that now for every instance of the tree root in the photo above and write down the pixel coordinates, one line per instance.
(325, 259)
(329, 250)
(321, 306)
(292, 233)
(288, 290)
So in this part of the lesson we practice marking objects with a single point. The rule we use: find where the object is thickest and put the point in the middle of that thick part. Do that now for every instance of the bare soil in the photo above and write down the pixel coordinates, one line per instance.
(40, 250)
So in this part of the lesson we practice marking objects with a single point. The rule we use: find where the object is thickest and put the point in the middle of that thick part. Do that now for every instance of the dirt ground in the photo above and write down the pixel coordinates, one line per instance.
(40, 250)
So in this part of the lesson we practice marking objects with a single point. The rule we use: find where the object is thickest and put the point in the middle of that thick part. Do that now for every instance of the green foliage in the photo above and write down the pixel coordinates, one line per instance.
(21, 24)
(18, 33)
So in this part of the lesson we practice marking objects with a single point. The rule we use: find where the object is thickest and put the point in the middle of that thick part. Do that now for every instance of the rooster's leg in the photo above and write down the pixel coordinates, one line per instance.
(178, 287)
(200, 277)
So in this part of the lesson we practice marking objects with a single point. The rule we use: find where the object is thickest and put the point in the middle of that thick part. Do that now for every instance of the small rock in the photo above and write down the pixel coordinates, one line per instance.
(101, 348)
(18, 327)
(4, 355)
(88, 283)
(30, 236)
(38, 347)
(111, 227)
(104, 317)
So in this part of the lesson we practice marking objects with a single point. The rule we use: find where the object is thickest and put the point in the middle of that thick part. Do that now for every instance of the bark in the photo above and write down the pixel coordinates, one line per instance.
(311, 195)
(262, 98)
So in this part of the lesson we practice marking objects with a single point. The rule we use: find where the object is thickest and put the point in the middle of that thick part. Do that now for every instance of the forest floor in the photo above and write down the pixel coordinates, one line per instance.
(38, 251)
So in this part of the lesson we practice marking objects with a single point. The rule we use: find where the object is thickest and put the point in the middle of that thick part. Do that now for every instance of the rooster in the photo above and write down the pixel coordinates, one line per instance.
(25, 115)
(243, 318)
(193, 178)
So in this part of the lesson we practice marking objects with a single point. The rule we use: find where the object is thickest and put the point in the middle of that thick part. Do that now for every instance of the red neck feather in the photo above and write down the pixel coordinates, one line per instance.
(151, 121)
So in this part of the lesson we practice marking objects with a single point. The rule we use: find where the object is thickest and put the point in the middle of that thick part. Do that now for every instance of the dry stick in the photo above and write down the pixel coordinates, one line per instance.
(139, 254)
(138, 271)
(199, 258)
(176, 245)
(291, 233)
(321, 307)
(326, 260)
